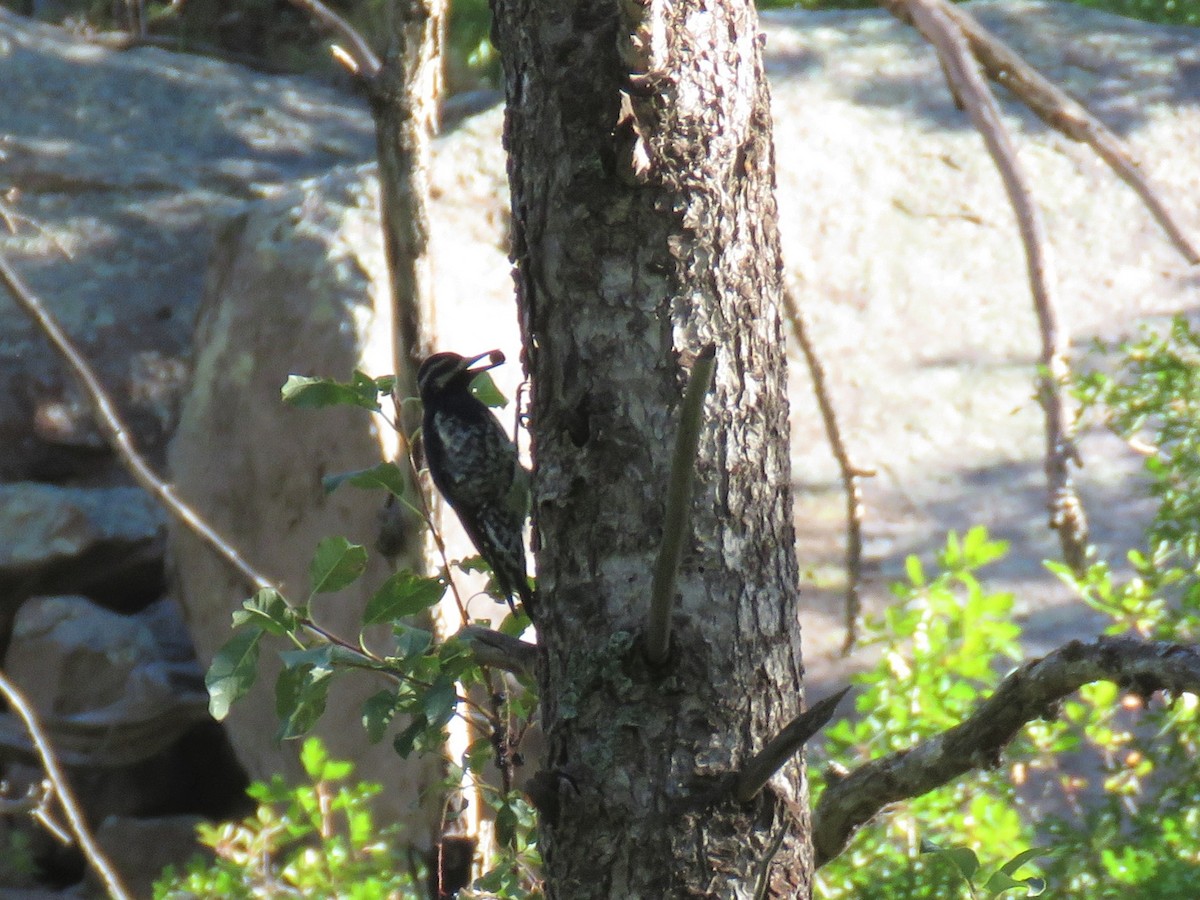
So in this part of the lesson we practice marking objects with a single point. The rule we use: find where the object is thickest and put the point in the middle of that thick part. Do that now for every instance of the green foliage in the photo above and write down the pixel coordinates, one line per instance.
(1117, 787)
(1000, 881)
(314, 840)
(940, 647)
(1155, 399)
(430, 682)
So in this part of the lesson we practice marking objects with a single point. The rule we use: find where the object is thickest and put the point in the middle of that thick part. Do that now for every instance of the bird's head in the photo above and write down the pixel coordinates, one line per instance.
(448, 372)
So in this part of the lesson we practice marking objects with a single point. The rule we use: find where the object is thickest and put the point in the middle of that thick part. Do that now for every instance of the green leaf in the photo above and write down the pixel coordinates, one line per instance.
(404, 594)
(486, 392)
(233, 671)
(912, 567)
(385, 475)
(411, 642)
(440, 701)
(1001, 882)
(336, 564)
(313, 757)
(269, 611)
(319, 766)
(377, 713)
(406, 741)
(310, 392)
(1034, 852)
(515, 624)
(963, 858)
(302, 689)
(506, 825)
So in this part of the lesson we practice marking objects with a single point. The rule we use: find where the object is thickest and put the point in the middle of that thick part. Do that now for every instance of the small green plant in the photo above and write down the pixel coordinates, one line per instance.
(1000, 881)
(940, 646)
(430, 678)
(1153, 401)
(1111, 788)
(314, 840)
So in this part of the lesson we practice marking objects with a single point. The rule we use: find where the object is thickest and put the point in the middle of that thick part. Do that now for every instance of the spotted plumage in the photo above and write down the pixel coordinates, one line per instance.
(475, 466)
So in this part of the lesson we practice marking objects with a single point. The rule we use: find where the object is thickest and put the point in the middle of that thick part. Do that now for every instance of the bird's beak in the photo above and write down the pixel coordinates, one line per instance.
(494, 358)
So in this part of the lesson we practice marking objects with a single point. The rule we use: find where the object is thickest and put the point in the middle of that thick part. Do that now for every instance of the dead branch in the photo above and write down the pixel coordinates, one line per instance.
(359, 58)
(109, 421)
(1031, 692)
(851, 473)
(1053, 106)
(1067, 515)
(1057, 109)
(759, 769)
(62, 790)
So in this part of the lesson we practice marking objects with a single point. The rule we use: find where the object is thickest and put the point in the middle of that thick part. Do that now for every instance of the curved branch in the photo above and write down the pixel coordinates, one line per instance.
(679, 502)
(1053, 106)
(1031, 692)
(1067, 515)
(62, 789)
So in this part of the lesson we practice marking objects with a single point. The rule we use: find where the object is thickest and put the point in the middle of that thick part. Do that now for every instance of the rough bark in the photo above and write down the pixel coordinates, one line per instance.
(641, 168)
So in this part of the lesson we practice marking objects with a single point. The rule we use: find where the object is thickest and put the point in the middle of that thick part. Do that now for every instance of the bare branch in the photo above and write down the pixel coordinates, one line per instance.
(1066, 511)
(1057, 109)
(678, 507)
(62, 789)
(1053, 106)
(114, 429)
(1031, 692)
(500, 651)
(771, 758)
(851, 474)
(357, 55)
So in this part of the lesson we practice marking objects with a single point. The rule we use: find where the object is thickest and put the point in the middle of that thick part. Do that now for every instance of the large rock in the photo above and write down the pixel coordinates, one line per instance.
(106, 691)
(298, 285)
(906, 256)
(107, 543)
(128, 162)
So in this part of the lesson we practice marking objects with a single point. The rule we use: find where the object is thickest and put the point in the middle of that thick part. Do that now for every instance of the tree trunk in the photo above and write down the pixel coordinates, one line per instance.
(642, 175)
(404, 100)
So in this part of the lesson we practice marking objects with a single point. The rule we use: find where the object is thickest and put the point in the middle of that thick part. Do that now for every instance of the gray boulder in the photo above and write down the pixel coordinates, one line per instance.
(107, 543)
(101, 683)
(297, 285)
(128, 162)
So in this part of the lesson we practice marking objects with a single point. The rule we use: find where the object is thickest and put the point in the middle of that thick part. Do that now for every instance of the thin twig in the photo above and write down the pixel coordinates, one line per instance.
(678, 507)
(1067, 515)
(851, 474)
(62, 789)
(1031, 692)
(118, 435)
(771, 758)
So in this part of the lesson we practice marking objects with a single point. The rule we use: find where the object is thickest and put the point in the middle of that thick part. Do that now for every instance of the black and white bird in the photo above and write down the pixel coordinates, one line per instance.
(475, 466)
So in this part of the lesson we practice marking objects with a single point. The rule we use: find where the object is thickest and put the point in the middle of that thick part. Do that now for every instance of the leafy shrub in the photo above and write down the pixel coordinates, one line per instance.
(314, 840)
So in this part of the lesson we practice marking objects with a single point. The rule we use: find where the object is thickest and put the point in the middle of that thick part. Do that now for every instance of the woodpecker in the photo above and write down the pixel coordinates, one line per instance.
(475, 466)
